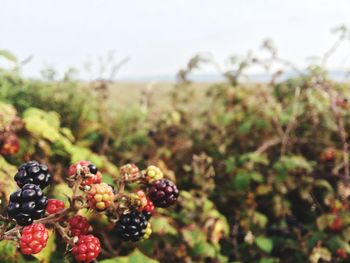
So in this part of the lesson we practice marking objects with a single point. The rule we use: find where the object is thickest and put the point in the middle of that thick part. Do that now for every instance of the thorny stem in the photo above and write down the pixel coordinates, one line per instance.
(291, 122)
(63, 233)
(52, 219)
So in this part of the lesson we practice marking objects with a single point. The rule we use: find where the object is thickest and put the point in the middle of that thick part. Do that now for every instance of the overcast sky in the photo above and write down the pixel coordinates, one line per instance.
(161, 35)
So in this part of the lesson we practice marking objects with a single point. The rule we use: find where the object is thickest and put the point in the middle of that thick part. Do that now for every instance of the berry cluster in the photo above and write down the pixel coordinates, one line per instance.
(157, 192)
(78, 225)
(27, 204)
(129, 212)
(100, 196)
(163, 193)
(132, 226)
(54, 206)
(33, 239)
(87, 170)
(33, 173)
(87, 248)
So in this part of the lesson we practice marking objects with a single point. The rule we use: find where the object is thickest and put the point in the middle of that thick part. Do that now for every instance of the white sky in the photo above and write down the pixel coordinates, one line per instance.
(161, 35)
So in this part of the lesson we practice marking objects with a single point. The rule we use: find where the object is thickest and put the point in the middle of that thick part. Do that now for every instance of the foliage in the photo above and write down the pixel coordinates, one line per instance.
(263, 168)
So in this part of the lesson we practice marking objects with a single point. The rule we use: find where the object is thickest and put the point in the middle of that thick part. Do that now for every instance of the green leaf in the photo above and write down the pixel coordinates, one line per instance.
(324, 184)
(241, 181)
(264, 243)
(245, 126)
(62, 191)
(161, 225)
(203, 249)
(8, 55)
(268, 260)
(193, 235)
(230, 164)
(257, 177)
(8, 252)
(135, 257)
(260, 219)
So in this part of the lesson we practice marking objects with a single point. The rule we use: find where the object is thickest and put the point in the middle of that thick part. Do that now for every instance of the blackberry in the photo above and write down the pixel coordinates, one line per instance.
(147, 214)
(33, 173)
(93, 169)
(163, 193)
(27, 204)
(131, 226)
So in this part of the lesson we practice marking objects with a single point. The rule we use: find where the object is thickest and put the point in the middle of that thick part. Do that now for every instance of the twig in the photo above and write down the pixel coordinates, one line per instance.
(341, 132)
(291, 122)
(266, 145)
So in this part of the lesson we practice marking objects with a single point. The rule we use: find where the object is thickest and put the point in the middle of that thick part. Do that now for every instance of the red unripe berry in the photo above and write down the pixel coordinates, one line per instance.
(149, 207)
(73, 168)
(100, 196)
(79, 225)
(10, 145)
(33, 239)
(86, 249)
(342, 253)
(337, 224)
(54, 206)
(95, 177)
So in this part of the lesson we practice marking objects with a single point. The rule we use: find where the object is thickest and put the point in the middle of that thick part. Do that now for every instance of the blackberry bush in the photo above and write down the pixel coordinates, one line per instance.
(127, 212)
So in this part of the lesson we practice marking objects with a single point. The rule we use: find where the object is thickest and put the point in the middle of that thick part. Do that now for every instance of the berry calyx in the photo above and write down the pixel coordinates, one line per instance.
(163, 193)
(131, 226)
(33, 173)
(78, 225)
(100, 196)
(33, 239)
(27, 204)
(153, 173)
(86, 249)
(86, 169)
(54, 206)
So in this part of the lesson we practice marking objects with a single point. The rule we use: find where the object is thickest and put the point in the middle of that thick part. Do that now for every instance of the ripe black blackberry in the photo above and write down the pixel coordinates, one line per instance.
(163, 193)
(131, 226)
(33, 173)
(27, 204)
(93, 169)
(147, 214)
